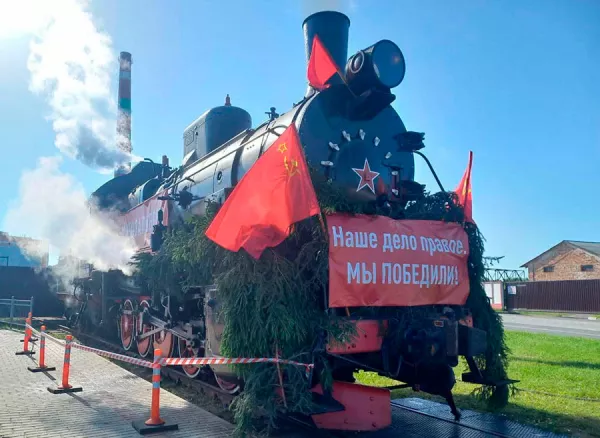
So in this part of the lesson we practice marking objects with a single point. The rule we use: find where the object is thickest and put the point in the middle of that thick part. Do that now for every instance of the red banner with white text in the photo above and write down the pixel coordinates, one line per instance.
(139, 222)
(378, 261)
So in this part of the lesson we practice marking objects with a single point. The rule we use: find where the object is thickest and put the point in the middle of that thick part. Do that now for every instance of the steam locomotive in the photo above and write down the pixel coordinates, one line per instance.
(346, 127)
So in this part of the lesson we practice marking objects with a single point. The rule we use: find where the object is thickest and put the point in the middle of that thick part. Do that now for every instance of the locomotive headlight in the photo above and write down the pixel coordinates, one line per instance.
(380, 66)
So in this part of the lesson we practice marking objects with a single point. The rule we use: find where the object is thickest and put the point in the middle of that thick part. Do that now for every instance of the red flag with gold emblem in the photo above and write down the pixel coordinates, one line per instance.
(463, 190)
(275, 193)
(321, 67)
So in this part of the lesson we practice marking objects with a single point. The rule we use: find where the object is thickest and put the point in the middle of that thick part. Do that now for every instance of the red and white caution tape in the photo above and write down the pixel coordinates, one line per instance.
(227, 361)
(116, 356)
(175, 361)
(33, 331)
(47, 336)
(121, 357)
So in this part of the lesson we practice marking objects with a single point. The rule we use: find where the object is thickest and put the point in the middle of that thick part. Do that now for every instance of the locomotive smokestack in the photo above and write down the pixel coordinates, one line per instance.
(332, 28)
(124, 114)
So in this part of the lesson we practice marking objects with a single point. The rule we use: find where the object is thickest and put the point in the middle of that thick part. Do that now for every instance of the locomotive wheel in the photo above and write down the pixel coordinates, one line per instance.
(230, 388)
(164, 340)
(127, 326)
(144, 346)
(186, 351)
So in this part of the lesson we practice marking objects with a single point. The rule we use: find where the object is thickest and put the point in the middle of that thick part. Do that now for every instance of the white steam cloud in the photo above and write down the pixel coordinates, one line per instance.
(344, 6)
(53, 206)
(73, 65)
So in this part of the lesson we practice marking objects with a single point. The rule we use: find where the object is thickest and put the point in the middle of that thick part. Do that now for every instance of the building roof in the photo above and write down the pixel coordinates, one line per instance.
(589, 247)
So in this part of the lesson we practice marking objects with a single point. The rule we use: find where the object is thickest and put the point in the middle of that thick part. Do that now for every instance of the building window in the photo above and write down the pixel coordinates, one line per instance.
(587, 268)
(548, 268)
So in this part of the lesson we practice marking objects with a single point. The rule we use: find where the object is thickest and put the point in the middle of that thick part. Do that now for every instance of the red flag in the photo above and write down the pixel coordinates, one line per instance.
(275, 193)
(463, 190)
(321, 67)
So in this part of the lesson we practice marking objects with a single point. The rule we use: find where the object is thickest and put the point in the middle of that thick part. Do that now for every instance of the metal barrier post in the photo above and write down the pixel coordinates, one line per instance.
(154, 423)
(42, 364)
(65, 387)
(26, 350)
(12, 308)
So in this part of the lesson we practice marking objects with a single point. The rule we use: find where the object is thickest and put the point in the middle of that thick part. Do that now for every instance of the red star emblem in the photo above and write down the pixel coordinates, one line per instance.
(366, 177)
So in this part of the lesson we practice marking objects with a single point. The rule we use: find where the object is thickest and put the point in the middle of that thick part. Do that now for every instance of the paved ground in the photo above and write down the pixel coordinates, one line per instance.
(552, 325)
(111, 399)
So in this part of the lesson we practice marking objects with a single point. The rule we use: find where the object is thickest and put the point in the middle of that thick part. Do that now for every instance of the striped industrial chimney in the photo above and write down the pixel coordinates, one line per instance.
(124, 114)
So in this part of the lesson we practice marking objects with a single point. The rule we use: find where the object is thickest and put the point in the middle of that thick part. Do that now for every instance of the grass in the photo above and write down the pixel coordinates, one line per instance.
(559, 388)
(18, 324)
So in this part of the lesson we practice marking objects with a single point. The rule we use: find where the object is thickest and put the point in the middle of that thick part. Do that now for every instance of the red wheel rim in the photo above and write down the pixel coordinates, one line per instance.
(229, 387)
(144, 345)
(188, 352)
(164, 340)
(127, 326)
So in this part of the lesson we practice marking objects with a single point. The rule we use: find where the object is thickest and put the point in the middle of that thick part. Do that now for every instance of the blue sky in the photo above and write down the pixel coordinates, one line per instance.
(516, 82)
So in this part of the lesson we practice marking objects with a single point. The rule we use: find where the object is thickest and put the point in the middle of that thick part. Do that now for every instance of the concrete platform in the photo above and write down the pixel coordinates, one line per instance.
(111, 399)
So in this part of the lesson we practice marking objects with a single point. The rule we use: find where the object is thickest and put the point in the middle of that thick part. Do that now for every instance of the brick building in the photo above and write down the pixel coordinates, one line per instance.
(569, 260)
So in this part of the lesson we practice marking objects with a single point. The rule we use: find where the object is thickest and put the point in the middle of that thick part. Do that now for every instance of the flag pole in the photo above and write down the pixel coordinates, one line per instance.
(469, 173)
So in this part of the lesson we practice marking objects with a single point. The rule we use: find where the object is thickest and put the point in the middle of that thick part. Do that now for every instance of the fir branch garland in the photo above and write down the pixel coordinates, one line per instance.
(277, 302)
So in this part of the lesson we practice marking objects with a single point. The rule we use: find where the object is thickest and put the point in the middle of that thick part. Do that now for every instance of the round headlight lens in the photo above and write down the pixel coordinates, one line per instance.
(388, 63)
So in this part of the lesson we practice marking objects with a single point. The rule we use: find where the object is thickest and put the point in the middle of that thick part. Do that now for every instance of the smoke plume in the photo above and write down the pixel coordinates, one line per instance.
(72, 65)
(311, 6)
(53, 206)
